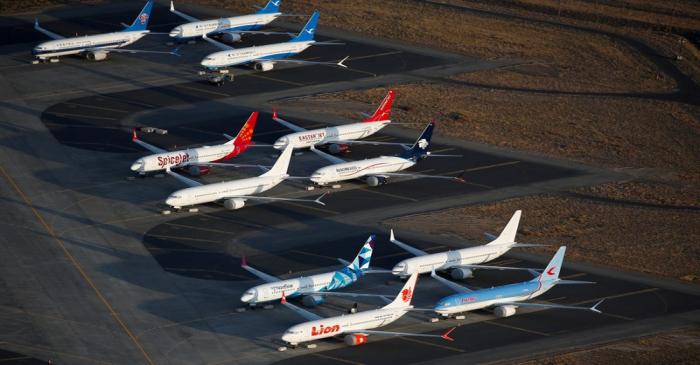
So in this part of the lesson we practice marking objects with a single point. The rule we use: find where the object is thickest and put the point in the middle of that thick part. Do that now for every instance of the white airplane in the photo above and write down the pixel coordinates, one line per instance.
(196, 161)
(264, 57)
(356, 326)
(235, 193)
(506, 299)
(96, 47)
(337, 138)
(230, 28)
(311, 288)
(377, 171)
(462, 262)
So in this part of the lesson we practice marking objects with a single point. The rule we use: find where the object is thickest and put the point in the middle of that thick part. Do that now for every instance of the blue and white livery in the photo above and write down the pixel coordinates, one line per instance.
(229, 28)
(264, 57)
(95, 47)
(311, 288)
(505, 299)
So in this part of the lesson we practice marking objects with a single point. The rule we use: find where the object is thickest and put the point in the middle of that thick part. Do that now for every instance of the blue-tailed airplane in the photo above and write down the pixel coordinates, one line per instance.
(264, 57)
(507, 298)
(311, 288)
(96, 47)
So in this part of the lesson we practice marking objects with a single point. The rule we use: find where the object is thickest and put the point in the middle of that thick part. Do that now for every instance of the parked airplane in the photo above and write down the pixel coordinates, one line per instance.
(507, 298)
(310, 288)
(337, 138)
(264, 57)
(229, 28)
(196, 161)
(96, 47)
(235, 193)
(462, 262)
(377, 171)
(356, 326)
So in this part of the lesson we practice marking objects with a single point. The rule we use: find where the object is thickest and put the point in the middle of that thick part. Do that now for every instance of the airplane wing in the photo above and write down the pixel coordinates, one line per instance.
(376, 143)
(128, 50)
(328, 157)
(182, 15)
(594, 308)
(420, 176)
(302, 312)
(285, 123)
(146, 145)
(386, 298)
(406, 247)
(218, 164)
(445, 335)
(48, 33)
(263, 276)
(492, 267)
(269, 198)
(217, 43)
(454, 286)
(182, 179)
(264, 32)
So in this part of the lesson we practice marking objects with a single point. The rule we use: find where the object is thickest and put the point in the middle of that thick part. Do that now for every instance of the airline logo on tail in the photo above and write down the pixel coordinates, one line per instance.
(143, 18)
(311, 31)
(551, 271)
(423, 143)
(406, 295)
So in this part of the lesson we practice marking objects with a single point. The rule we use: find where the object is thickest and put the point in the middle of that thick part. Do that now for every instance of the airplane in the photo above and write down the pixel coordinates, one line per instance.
(338, 137)
(506, 299)
(356, 326)
(230, 28)
(235, 193)
(462, 262)
(96, 47)
(265, 57)
(311, 288)
(377, 171)
(195, 161)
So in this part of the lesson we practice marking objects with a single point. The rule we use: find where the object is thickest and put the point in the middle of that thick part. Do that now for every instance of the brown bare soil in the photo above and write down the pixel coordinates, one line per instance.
(18, 6)
(676, 347)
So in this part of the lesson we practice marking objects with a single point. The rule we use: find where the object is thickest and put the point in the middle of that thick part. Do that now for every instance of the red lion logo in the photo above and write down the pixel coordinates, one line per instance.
(406, 295)
(144, 18)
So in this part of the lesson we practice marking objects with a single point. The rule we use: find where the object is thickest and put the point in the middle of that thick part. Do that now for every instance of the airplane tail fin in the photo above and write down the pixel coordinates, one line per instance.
(141, 21)
(361, 261)
(508, 233)
(282, 164)
(420, 148)
(403, 299)
(383, 112)
(245, 135)
(551, 273)
(307, 34)
(273, 6)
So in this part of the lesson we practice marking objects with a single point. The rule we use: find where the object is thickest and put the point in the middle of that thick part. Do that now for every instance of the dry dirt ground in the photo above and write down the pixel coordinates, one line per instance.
(677, 347)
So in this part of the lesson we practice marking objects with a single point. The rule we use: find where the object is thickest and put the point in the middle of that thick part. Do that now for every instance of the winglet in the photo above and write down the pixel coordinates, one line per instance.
(36, 22)
(284, 298)
(391, 235)
(274, 113)
(134, 136)
(595, 307)
(446, 335)
(172, 6)
(243, 261)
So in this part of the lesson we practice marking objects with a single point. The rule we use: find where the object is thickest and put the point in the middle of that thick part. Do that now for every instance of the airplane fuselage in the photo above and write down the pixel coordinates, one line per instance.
(349, 323)
(258, 54)
(232, 24)
(84, 44)
(358, 169)
(450, 259)
(183, 158)
(347, 132)
(222, 190)
(289, 288)
(490, 297)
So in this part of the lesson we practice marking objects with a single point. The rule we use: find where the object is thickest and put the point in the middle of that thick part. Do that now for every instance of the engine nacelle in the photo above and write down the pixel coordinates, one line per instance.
(460, 274)
(197, 171)
(96, 55)
(231, 37)
(234, 203)
(376, 181)
(355, 339)
(337, 149)
(504, 311)
(264, 66)
(312, 300)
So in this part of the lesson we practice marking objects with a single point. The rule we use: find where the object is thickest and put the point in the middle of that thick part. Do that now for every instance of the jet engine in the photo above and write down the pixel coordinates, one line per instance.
(231, 37)
(234, 203)
(312, 300)
(355, 339)
(197, 171)
(264, 66)
(96, 55)
(504, 311)
(376, 180)
(459, 274)
(337, 149)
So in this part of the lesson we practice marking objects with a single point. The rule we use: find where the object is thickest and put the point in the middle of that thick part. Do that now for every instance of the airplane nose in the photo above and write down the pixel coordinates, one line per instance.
(247, 297)
(281, 143)
(137, 166)
(176, 32)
